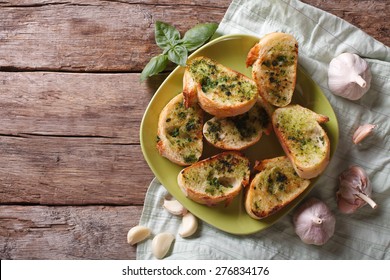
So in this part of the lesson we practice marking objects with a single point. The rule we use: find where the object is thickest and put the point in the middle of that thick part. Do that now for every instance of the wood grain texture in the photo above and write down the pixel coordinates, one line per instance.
(72, 174)
(91, 35)
(118, 36)
(60, 233)
(71, 171)
(108, 106)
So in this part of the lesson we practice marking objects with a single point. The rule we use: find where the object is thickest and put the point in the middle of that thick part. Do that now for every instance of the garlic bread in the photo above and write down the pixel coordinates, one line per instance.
(274, 61)
(303, 139)
(239, 132)
(275, 186)
(220, 91)
(179, 133)
(215, 179)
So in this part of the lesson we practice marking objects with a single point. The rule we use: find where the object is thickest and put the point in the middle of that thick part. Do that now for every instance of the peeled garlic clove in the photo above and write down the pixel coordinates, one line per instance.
(314, 222)
(349, 76)
(362, 132)
(161, 244)
(354, 190)
(188, 226)
(174, 207)
(137, 234)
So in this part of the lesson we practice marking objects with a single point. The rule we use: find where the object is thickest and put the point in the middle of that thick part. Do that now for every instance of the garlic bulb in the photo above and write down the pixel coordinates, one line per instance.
(349, 76)
(354, 190)
(314, 222)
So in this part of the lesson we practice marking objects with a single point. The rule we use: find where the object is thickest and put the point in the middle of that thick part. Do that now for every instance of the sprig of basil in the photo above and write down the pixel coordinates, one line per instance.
(174, 48)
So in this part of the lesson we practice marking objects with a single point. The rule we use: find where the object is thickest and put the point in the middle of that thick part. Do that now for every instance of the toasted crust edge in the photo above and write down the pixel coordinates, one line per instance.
(305, 172)
(205, 199)
(260, 166)
(161, 145)
(256, 56)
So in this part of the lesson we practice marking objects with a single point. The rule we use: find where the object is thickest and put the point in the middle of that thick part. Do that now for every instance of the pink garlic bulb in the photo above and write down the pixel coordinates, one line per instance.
(354, 190)
(314, 222)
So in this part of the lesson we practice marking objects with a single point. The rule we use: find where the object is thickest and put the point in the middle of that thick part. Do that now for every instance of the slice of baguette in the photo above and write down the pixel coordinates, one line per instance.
(275, 186)
(179, 133)
(220, 91)
(215, 179)
(239, 132)
(304, 141)
(274, 63)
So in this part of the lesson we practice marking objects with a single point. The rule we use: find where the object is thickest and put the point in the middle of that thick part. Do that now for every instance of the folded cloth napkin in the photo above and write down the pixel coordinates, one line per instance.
(362, 235)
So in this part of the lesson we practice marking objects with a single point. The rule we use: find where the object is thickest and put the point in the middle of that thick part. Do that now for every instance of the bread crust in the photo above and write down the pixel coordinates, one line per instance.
(274, 61)
(176, 125)
(307, 145)
(217, 179)
(223, 98)
(274, 187)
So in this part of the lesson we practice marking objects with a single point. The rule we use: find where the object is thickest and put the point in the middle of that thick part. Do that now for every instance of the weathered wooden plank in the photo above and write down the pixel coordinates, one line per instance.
(71, 104)
(60, 233)
(73, 138)
(71, 171)
(90, 35)
(119, 35)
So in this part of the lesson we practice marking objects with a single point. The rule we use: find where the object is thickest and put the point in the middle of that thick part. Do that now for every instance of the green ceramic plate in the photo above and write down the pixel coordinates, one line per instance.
(230, 50)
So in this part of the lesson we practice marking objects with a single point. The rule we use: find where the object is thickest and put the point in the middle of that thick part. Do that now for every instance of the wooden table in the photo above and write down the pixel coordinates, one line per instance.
(72, 174)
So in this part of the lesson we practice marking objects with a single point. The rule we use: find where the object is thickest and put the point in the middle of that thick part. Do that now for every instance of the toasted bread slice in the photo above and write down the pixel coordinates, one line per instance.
(179, 132)
(220, 91)
(275, 186)
(274, 63)
(304, 141)
(239, 132)
(215, 179)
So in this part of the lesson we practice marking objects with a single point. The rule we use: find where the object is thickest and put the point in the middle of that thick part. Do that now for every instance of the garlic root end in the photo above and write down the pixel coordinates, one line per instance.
(368, 200)
(360, 81)
(317, 220)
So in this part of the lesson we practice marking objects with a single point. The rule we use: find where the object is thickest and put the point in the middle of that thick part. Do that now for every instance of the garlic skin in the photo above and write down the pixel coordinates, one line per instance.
(314, 222)
(137, 234)
(188, 226)
(362, 132)
(174, 207)
(354, 190)
(161, 244)
(349, 76)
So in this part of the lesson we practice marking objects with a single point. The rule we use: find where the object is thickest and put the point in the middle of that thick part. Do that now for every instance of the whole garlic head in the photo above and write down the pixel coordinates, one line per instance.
(354, 190)
(314, 222)
(349, 76)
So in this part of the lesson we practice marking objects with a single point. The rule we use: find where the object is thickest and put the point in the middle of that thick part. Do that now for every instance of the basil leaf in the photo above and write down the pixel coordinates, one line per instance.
(154, 66)
(178, 54)
(198, 35)
(166, 35)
